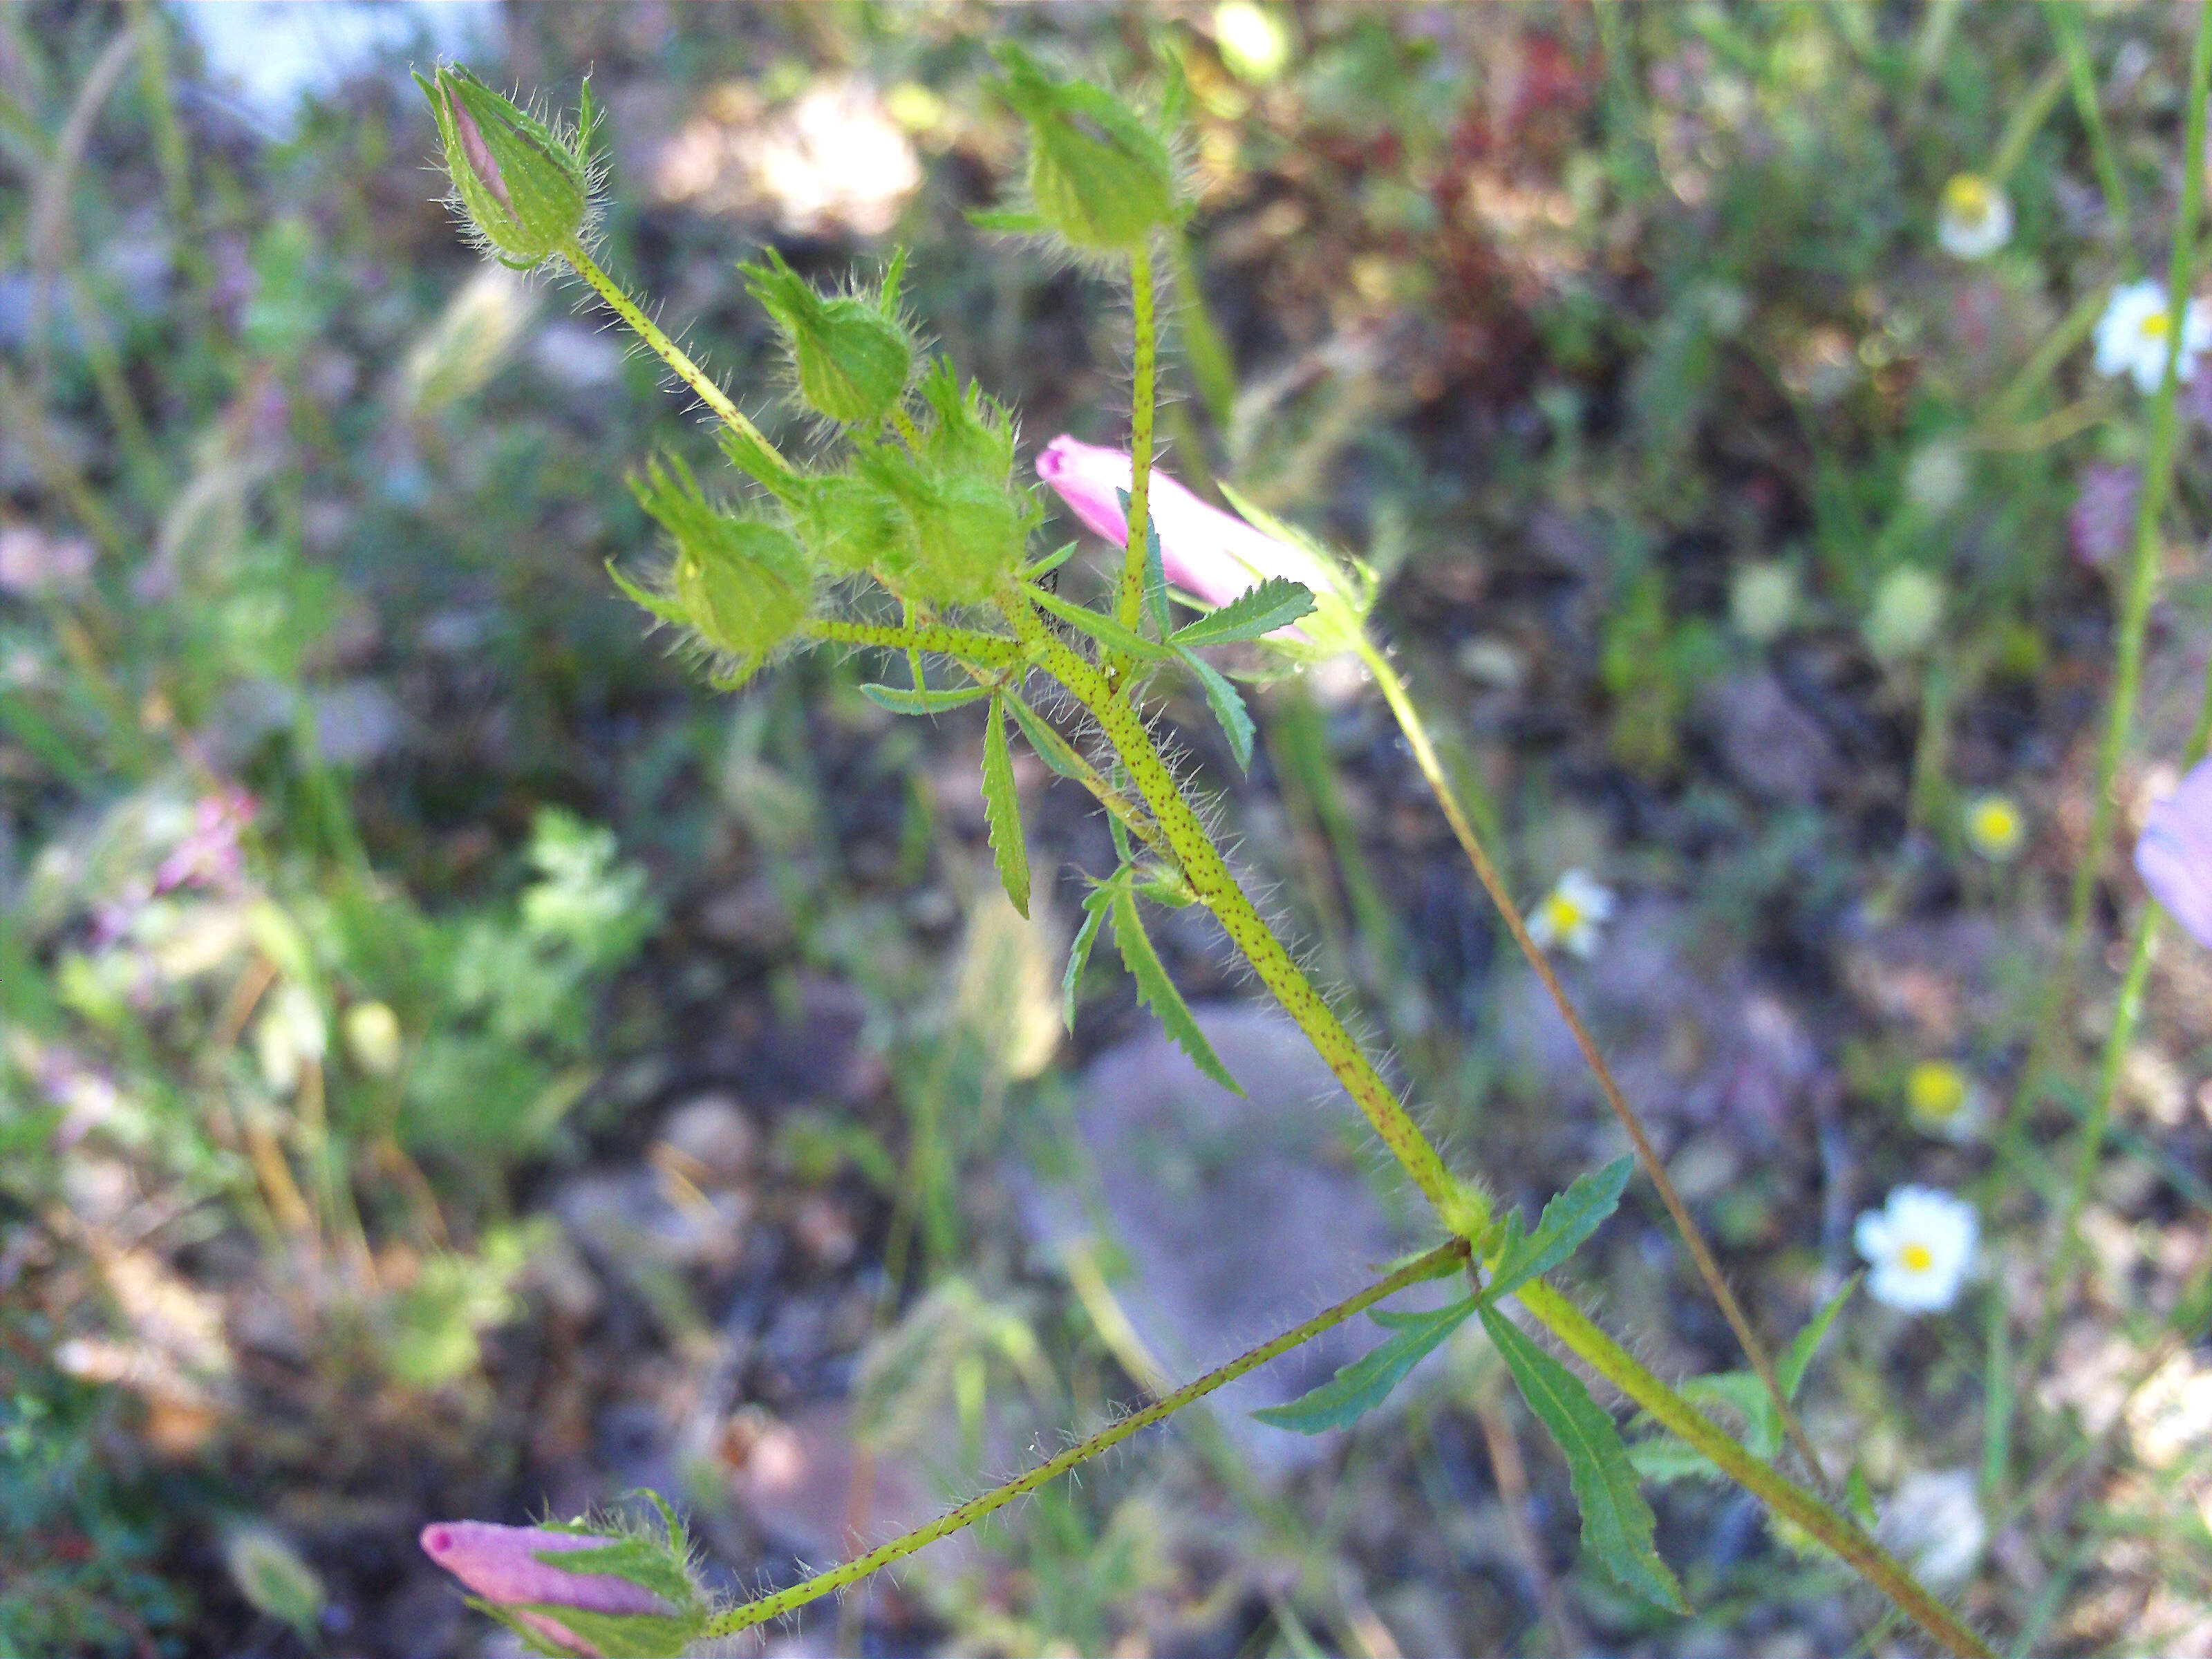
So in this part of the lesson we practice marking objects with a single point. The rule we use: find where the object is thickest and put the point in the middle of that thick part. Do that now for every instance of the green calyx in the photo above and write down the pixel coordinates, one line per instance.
(523, 186)
(1099, 174)
(853, 356)
(742, 584)
(967, 531)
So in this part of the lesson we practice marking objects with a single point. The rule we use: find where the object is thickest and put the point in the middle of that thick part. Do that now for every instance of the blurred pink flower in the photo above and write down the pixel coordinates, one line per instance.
(2174, 854)
(32, 562)
(1206, 552)
(209, 855)
(501, 1564)
(2103, 516)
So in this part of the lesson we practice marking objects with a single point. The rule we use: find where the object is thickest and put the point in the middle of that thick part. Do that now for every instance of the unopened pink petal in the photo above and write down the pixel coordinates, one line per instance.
(499, 1564)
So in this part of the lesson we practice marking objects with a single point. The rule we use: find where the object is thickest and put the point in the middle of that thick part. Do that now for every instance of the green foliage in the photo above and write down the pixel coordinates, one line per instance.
(1002, 807)
(1275, 603)
(740, 585)
(1617, 1523)
(1568, 1219)
(1360, 1387)
(1156, 991)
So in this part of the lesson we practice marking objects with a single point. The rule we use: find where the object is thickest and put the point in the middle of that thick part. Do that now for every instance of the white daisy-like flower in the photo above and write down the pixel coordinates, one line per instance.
(1975, 218)
(1995, 828)
(2135, 336)
(1570, 915)
(1920, 1243)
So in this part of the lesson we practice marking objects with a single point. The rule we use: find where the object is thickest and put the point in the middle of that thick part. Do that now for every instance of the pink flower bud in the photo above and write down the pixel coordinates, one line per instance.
(2174, 855)
(1206, 551)
(501, 1564)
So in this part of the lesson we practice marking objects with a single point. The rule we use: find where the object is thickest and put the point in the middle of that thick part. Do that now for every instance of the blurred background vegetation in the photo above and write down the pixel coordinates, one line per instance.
(451, 1064)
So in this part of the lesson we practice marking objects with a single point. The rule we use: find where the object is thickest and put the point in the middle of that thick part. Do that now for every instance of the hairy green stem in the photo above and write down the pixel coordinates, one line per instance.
(1588, 1343)
(1129, 605)
(990, 650)
(1709, 1269)
(2142, 585)
(666, 349)
(788, 1600)
(1463, 1210)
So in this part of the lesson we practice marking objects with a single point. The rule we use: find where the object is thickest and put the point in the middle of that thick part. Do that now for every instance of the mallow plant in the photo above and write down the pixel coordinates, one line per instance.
(909, 537)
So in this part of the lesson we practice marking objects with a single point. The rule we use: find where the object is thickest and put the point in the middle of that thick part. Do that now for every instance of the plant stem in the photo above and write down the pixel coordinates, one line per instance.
(666, 349)
(1424, 757)
(2068, 27)
(786, 1600)
(1463, 1211)
(2143, 578)
(1460, 1205)
(1129, 605)
(1610, 1360)
(992, 650)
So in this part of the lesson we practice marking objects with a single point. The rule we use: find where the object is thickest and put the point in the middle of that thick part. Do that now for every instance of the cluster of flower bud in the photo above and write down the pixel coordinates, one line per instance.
(740, 585)
(522, 186)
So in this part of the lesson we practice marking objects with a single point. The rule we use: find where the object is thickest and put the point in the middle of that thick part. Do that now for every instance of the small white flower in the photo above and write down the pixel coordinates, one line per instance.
(2135, 335)
(1975, 219)
(1921, 1243)
(1570, 915)
(1933, 1521)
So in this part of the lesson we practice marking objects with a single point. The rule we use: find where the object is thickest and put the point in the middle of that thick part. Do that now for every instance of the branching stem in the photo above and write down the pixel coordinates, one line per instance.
(788, 1600)
(1129, 603)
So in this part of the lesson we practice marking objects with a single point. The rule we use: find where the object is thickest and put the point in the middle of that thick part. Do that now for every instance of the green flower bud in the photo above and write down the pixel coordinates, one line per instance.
(524, 187)
(968, 532)
(851, 523)
(741, 584)
(853, 356)
(972, 433)
(1098, 174)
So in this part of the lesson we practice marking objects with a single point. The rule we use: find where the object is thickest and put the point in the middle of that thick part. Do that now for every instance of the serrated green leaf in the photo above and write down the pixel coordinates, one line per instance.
(1055, 750)
(1568, 1219)
(1095, 903)
(1790, 1372)
(1002, 811)
(900, 699)
(1228, 706)
(1014, 224)
(1155, 572)
(1114, 827)
(1157, 991)
(1275, 603)
(1360, 1387)
(1617, 1523)
(1742, 1393)
(1102, 629)
(1662, 1459)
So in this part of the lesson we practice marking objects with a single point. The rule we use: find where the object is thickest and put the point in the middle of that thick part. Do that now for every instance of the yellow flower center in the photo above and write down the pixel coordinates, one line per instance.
(1935, 1091)
(1994, 826)
(2154, 326)
(1916, 1257)
(1967, 199)
(1563, 912)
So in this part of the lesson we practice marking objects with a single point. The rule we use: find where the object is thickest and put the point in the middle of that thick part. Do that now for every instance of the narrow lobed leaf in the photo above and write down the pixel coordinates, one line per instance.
(1002, 811)
(1227, 704)
(1360, 1387)
(1275, 603)
(1095, 904)
(1055, 750)
(1790, 1370)
(1157, 991)
(1617, 1523)
(900, 699)
(1568, 1219)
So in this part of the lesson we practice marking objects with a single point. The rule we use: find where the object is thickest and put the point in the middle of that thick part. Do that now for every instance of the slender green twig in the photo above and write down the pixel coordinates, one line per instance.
(666, 349)
(1424, 757)
(788, 1600)
(2066, 24)
(2142, 585)
(990, 650)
